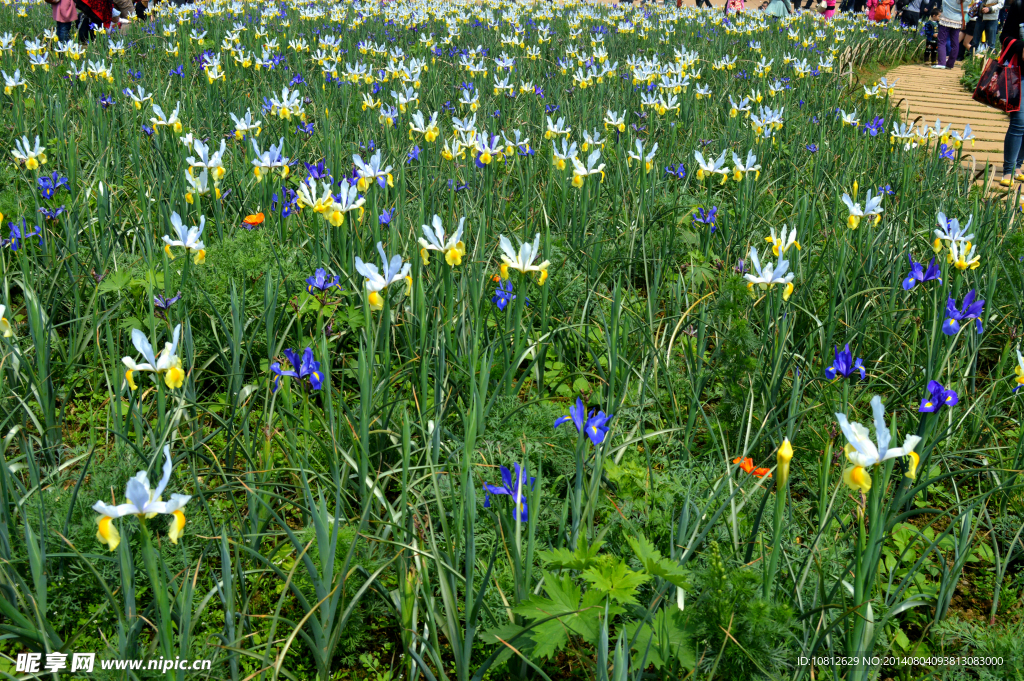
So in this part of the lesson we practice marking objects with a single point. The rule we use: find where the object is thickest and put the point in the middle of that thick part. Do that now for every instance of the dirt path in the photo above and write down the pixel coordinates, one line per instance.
(936, 93)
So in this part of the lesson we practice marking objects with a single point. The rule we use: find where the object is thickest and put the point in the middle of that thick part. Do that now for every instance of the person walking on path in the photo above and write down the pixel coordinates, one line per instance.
(951, 21)
(986, 22)
(65, 15)
(1012, 41)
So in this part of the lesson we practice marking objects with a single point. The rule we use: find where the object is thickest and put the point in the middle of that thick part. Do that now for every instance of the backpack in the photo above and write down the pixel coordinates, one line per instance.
(883, 11)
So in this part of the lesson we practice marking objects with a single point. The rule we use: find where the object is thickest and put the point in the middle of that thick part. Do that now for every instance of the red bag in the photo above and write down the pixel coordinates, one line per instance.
(999, 85)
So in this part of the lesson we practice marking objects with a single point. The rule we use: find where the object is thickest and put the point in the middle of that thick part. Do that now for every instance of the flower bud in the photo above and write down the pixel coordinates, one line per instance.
(783, 457)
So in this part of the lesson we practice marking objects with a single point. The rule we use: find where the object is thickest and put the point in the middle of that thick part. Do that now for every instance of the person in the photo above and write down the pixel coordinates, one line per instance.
(779, 8)
(951, 22)
(704, 3)
(1011, 41)
(910, 12)
(985, 25)
(967, 34)
(92, 13)
(930, 31)
(65, 15)
(733, 6)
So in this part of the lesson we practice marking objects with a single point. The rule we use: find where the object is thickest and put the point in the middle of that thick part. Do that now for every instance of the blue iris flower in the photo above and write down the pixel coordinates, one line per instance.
(937, 397)
(320, 281)
(49, 184)
(52, 214)
(595, 423)
(844, 365)
(813, 148)
(707, 218)
(946, 152)
(503, 295)
(18, 233)
(677, 171)
(306, 367)
(511, 486)
(386, 216)
(971, 309)
(163, 303)
(918, 274)
(179, 72)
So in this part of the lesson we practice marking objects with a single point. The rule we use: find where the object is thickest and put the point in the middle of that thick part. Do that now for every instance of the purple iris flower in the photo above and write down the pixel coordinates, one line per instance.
(813, 148)
(52, 214)
(918, 274)
(305, 127)
(148, 130)
(163, 303)
(320, 281)
(106, 101)
(49, 184)
(595, 424)
(179, 72)
(707, 218)
(844, 365)
(677, 171)
(971, 309)
(386, 216)
(18, 233)
(741, 266)
(307, 367)
(320, 171)
(946, 152)
(938, 396)
(413, 154)
(512, 487)
(503, 295)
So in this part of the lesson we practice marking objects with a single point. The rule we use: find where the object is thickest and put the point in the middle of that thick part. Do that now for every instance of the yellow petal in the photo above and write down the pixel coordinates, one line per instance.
(177, 525)
(107, 532)
(131, 382)
(914, 461)
(174, 377)
(856, 477)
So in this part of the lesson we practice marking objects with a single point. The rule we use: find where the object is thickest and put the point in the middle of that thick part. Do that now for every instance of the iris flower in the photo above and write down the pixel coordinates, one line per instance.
(452, 248)
(144, 503)
(376, 282)
(971, 309)
(709, 168)
(7, 331)
(512, 487)
(862, 453)
(594, 424)
(769, 275)
(844, 365)
(782, 243)
(18, 233)
(1018, 370)
(963, 256)
(523, 260)
(950, 232)
(918, 273)
(938, 396)
(503, 295)
(307, 367)
(167, 363)
(872, 207)
(31, 156)
(188, 237)
(320, 281)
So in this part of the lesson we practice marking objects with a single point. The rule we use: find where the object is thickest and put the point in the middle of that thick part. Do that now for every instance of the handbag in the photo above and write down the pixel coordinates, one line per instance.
(999, 85)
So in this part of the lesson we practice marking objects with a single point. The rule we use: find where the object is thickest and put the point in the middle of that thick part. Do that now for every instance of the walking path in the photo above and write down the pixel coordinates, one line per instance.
(936, 93)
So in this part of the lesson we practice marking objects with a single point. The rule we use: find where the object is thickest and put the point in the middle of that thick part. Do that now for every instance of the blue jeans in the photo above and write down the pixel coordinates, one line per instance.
(64, 31)
(989, 26)
(1013, 151)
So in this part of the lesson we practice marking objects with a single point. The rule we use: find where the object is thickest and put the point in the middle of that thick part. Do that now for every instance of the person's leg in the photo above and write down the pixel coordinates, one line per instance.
(1012, 144)
(911, 18)
(954, 39)
(990, 28)
(943, 38)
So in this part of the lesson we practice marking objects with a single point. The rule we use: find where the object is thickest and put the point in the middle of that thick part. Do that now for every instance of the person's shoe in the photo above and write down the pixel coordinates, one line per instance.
(1019, 176)
(938, 66)
(1007, 181)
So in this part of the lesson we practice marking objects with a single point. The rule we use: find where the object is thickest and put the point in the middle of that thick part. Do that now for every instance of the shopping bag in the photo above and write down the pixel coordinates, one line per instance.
(999, 85)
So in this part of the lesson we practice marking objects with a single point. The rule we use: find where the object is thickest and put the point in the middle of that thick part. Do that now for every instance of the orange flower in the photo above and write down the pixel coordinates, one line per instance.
(496, 277)
(746, 463)
(254, 220)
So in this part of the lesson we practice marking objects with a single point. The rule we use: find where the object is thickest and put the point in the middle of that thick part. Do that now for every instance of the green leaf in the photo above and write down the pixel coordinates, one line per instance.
(655, 564)
(668, 637)
(129, 323)
(115, 282)
(581, 559)
(576, 613)
(617, 581)
(581, 385)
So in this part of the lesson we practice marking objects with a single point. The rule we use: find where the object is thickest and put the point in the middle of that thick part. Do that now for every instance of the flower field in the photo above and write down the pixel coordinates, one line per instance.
(499, 340)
